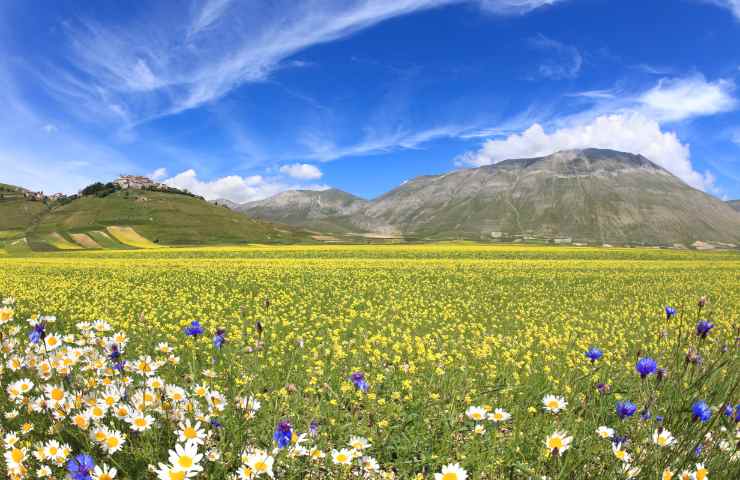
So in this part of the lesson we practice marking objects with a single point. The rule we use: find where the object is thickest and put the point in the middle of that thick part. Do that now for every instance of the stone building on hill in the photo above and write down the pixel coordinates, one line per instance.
(136, 182)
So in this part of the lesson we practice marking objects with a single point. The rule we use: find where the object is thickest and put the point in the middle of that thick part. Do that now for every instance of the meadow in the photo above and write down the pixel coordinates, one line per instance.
(438, 362)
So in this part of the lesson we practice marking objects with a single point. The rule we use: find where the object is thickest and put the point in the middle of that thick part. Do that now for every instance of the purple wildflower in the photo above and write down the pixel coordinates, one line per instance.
(703, 328)
(646, 366)
(194, 329)
(358, 378)
(594, 354)
(81, 466)
(219, 338)
(626, 409)
(701, 411)
(283, 434)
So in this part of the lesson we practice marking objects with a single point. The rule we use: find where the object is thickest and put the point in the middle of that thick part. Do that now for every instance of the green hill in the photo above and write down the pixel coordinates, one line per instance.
(17, 213)
(162, 218)
(128, 219)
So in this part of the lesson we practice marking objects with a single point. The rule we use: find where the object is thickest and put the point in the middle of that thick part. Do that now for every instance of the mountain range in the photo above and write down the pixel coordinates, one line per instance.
(590, 195)
(577, 196)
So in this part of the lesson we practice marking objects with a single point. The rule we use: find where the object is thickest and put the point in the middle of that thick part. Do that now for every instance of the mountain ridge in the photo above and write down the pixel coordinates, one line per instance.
(589, 195)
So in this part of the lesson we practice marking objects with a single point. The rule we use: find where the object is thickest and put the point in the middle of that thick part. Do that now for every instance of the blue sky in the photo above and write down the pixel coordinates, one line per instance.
(242, 99)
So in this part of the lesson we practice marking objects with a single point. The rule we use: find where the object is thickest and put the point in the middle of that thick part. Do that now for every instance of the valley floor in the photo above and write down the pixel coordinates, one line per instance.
(435, 331)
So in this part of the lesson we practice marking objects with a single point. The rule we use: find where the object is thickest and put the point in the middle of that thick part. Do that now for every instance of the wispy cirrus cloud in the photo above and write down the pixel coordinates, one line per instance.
(323, 149)
(731, 5)
(562, 61)
(144, 70)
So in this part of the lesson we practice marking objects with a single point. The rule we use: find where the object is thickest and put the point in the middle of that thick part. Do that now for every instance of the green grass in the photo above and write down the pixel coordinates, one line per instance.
(165, 218)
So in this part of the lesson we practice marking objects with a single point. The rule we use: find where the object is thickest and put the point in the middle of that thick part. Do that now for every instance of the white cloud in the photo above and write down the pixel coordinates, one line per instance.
(512, 7)
(50, 128)
(154, 67)
(632, 133)
(235, 188)
(731, 5)
(158, 174)
(682, 98)
(563, 62)
(302, 171)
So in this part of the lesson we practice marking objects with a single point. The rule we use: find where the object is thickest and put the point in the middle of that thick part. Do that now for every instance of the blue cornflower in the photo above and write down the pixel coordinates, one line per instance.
(626, 409)
(115, 352)
(119, 366)
(220, 338)
(594, 354)
(670, 312)
(620, 439)
(215, 423)
(646, 415)
(701, 411)
(283, 434)
(313, 428)
(659, 418)
(358, 378)
(194, 329)
(698, 449)
(737, 412)
(703, 328)
(646, 366)
(81, 466)
(38, 333)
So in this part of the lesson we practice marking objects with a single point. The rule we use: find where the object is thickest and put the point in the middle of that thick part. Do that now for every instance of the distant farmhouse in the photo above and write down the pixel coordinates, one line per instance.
(137, 183)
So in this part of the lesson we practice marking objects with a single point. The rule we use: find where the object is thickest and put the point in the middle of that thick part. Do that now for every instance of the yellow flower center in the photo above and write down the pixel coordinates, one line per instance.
(16, 455)
(185, 461)
(112, 442)
(190, 433)
(176, 475)
(260, 466)
(555, 442)
(553, 404)
(449, 476)
(57, 394)
(341, 458)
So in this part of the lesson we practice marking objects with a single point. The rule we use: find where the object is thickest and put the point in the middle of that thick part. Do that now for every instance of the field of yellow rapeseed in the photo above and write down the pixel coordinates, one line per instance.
(434, 361)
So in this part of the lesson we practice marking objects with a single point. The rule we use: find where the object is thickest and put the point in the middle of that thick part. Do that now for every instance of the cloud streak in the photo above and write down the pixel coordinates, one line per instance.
(142, 71)
(563, 62)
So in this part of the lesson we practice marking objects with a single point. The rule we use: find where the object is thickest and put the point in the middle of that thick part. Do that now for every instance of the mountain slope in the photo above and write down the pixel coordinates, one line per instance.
(160, 217)
(325, 211)
(17, 212)
(591, 195)
(734, 204)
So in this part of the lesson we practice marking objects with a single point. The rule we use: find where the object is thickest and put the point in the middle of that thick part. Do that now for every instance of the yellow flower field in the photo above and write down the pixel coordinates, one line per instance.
(437, 357)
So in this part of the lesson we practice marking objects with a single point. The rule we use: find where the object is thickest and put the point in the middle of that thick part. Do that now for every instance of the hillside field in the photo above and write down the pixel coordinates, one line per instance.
(414, 348)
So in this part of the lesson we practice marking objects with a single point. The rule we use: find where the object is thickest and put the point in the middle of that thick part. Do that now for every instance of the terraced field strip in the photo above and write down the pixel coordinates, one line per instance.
(129, 236)
(85, 241)
(57, 241)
